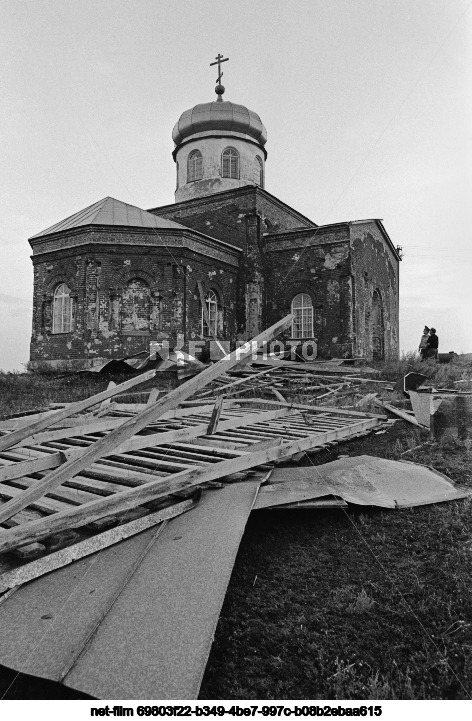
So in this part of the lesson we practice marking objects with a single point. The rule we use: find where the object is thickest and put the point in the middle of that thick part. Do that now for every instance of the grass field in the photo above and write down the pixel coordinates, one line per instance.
(342, 604)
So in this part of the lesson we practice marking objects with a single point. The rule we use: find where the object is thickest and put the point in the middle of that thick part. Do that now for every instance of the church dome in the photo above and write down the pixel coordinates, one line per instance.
(219, 115)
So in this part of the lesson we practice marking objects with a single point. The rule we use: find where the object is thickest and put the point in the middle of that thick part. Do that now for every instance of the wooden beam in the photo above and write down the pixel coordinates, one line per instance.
(81, 515)
(397, 412)
(15, 436)
(237, 382)
(104, 404)
(107, 445)
(153, 395)
(278, 395)
(96, 543)
(54, 460)
(305, 407)
(215, 416)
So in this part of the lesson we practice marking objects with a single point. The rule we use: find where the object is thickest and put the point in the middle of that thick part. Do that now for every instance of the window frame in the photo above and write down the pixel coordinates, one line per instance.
(194, 166)
(65, 325)
(227, 156)
(261, 171)
(212, 302)
(303, 317)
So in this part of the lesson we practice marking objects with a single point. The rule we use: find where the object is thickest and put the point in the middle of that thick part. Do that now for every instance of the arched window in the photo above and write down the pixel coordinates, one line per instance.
(62, 310)
(259, 171)
(230, 163)
(135, 306)
(211, 305)
(378, 346)
(302, 309)
(195, 166)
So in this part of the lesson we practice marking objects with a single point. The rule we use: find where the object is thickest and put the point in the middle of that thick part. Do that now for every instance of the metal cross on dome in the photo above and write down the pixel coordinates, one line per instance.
(219, 60)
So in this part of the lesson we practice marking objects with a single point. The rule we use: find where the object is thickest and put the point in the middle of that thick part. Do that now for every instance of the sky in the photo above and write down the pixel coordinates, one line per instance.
(367, 105)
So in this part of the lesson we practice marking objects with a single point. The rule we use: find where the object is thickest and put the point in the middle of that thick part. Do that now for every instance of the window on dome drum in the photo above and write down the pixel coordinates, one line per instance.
(259, 172)
(302, 309)
(62, 310)
(211, 303)
(195, 166)
(230, 163)
(136, 307)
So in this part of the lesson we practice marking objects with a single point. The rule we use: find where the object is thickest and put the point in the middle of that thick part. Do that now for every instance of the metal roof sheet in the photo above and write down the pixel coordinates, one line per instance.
(110, 211)
(135, 620)
(362, 480)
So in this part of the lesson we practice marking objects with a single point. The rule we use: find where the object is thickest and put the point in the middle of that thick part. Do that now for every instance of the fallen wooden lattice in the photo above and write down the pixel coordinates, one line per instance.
(62, 472)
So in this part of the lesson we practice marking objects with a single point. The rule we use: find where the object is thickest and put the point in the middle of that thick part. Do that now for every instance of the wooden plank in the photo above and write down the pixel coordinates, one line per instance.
(64, 494)
(15, 436)
(313, 409)
(215, 416)
(53, 460)
(13, 538)
(58, 559)
(60, 433)
(278, 395)
(107, 401)
(237, 382)
(401, 414)
(45, 505)
(106, 445)
(153, 395)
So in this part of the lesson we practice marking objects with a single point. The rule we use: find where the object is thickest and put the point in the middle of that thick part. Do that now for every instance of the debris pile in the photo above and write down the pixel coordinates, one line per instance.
(95, 494)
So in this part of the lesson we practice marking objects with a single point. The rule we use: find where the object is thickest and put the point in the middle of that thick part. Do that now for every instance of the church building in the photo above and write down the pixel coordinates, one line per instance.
(114, 280)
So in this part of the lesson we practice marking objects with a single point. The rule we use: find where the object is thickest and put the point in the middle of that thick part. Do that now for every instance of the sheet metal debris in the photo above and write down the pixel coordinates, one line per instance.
(137, 620)
(447, 415)
(362, 480)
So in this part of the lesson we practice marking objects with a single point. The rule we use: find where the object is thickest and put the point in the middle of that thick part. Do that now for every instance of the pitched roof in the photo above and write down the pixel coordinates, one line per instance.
(110, 211)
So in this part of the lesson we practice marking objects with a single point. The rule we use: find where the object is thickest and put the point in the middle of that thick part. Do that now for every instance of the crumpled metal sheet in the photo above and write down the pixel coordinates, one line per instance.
(135, 621)
(362, 480)
(447, 415)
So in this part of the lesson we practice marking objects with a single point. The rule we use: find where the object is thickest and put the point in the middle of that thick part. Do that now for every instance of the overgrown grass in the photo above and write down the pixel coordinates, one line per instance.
(22, 392)
(352, 604)
(442, 375)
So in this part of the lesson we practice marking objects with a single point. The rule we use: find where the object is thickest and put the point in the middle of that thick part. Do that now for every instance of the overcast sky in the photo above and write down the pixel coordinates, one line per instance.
(367, 105)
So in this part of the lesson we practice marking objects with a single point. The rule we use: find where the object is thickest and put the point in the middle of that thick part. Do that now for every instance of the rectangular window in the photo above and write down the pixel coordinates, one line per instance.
(302, 323)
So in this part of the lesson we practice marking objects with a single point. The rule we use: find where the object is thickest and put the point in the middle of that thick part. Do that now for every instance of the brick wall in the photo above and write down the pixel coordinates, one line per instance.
(165, 293)
(375, 267)
(318, 264)
(241, 217)
(222, 215)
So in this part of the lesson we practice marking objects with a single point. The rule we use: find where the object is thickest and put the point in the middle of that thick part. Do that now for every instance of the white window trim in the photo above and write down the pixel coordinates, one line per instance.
(62, 310)
(212, 306)
(302, 324)
(233, 158)
(194, 161)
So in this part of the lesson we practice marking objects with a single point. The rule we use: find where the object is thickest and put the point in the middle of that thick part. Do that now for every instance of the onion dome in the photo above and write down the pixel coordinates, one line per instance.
(219, 116)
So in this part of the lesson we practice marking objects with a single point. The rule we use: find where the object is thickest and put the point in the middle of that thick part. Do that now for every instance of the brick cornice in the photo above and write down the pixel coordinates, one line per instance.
(229, 195)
